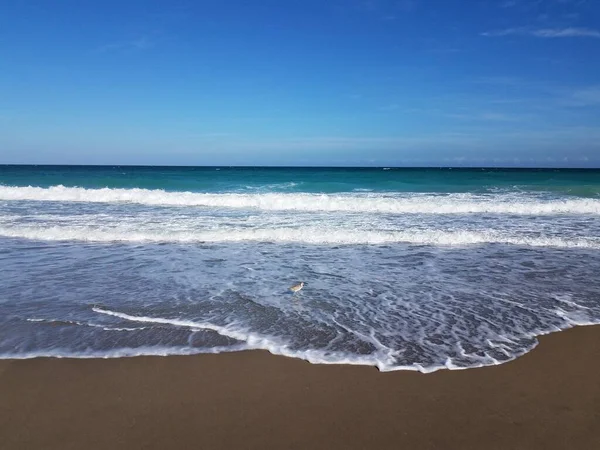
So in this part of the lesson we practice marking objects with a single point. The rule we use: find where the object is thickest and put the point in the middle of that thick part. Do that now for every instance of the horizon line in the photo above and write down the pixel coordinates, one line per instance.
(248, 166)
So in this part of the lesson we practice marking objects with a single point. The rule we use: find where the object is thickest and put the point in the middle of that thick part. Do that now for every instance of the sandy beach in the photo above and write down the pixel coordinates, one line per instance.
(548, 399)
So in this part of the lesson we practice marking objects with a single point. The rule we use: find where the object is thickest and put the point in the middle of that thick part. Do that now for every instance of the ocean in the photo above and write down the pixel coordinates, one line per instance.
(405, 269)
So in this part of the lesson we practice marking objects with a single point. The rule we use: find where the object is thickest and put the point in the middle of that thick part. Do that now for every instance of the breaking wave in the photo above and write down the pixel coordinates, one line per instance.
(355, 202)
(307, 235)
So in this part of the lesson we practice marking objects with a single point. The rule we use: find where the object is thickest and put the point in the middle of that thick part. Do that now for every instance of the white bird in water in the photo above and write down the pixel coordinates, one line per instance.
(295, 288)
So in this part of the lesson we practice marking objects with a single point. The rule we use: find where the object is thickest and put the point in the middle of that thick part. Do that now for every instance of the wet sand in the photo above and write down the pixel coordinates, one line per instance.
(548, 399)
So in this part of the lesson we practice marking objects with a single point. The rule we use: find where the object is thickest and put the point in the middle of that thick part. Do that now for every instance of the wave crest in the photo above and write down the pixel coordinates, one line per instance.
(355, 202)
(306, 235)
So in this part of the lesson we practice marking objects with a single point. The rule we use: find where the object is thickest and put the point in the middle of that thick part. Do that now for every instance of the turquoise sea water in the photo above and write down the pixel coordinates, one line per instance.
(314, 180)
(405, 268)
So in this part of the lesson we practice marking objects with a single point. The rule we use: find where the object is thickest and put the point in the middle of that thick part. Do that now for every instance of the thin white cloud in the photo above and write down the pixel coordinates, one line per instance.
(390, 107)
(500, 80)
(545, 32)
(214, 135)
(141, 43)
(566, 32)
(523, 5)
(356, 143)
(588, 96)
(488, 116)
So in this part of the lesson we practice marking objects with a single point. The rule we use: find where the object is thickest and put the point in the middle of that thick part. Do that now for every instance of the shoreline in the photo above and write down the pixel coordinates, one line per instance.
(548, 398)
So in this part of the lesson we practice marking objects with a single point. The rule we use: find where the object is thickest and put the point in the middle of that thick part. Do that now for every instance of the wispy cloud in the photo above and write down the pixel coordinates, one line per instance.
(522, 5)
(542, 95)
(545, 32)
(588, 96)
(141, 43)
(477, 140)
(500, 80)
(214, 135)
(447, 50)
(566, 32)
(387, 10)
(319, 143)
(488, 116)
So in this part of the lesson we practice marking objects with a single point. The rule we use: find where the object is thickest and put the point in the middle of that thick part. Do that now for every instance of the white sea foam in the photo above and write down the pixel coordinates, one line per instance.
(356, 202)
(306, 235)
(382, 359)
(175, 322)
(121, 352)
(85, 324)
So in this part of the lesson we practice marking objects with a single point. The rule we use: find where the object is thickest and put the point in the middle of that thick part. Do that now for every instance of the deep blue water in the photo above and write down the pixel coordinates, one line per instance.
(405, 268)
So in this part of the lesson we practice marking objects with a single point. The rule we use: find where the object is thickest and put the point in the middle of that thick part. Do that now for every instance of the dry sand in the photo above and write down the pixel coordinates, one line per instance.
(548, 399)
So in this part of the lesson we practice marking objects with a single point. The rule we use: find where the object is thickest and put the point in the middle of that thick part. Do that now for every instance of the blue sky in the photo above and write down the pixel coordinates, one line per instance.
(301, 82)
